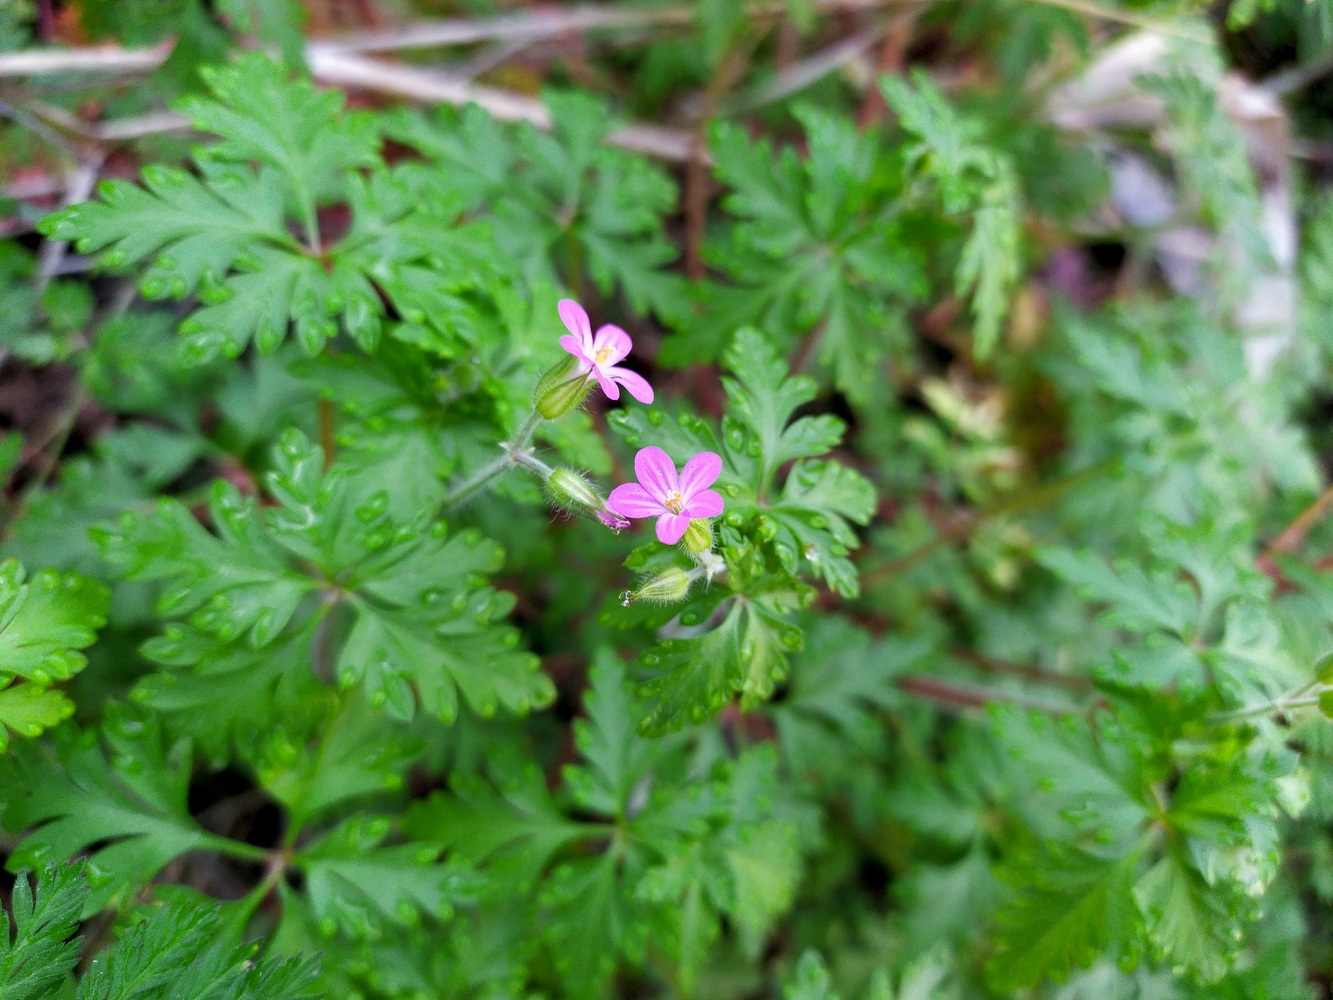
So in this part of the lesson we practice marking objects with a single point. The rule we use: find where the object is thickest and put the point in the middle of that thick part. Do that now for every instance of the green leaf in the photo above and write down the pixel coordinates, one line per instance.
(355, 882)
(228, 695)
(765, 398)
(442, 633)
(45, 949)
(46, 621)
(592, 923)
(1193, 925)
(817, 252)
(974, 180)
(810, 981)
(839, 686)
(347, 755)
(235, 583)
(818, 499)
(746, 654)
(807, 526)
(271, 289)
(1227, 811)
(760, 848)
(1071, 777)
(277, 23)
(1134, 599)
(941, 901)
(1211, 153)
(182, 950)
(286, 149)
(193, 230)
(562, 201)
(510, 822)
(262, 115)
(174, 950)
(125, 806)
(615, 756)
(27, 709)
(1070, 908)
(151, 957)
(425, 627)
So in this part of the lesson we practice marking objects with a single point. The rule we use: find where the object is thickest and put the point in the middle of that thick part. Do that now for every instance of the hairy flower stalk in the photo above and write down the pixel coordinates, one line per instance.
(513, 450)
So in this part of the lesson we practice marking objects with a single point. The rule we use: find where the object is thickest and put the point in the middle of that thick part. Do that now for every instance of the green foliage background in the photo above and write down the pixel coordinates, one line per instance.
(1014, 682)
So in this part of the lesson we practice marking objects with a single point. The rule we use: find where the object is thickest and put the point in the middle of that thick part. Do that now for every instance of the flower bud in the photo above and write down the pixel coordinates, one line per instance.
(698, 537)
(566, 488)
(667, 587)
(563, 388)
(570, 491)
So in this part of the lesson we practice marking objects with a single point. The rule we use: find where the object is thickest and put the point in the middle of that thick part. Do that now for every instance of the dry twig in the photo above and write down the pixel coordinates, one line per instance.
(808, 71)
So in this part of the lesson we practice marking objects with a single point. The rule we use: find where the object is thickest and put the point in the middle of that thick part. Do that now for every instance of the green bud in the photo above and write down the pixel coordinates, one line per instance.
(567, 489)
(570, 491)
(561, 389)
(1326, 703)
(667, 587)
(699, 537)
(1323, 668)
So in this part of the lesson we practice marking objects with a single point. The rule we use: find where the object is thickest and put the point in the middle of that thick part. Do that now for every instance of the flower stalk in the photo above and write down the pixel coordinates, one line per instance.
(480, 480)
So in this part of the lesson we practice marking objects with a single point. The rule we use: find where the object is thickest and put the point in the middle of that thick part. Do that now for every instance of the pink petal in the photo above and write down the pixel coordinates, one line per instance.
(608, 385)
(576, 321)
(655, 470)
(614, 338)
(707, 503)
(671, 528)
(700, 472)
(632, 500)
(575, 347)
(612, 520)
(636, 384)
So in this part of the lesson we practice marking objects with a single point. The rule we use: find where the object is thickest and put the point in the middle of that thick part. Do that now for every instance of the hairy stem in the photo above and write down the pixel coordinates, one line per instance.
(514, 455)
(1299, 698)
(529, 461)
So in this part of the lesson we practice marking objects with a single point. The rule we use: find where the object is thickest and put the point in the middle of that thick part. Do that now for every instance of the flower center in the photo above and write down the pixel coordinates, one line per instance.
(675, 502)
(603, 355)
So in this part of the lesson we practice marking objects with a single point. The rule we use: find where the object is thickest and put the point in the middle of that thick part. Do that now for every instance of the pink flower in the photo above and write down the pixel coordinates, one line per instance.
(599, 353)
(672, 499)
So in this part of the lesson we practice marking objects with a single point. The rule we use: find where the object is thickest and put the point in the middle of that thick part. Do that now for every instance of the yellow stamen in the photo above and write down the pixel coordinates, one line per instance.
(603, 355)
(675, 502)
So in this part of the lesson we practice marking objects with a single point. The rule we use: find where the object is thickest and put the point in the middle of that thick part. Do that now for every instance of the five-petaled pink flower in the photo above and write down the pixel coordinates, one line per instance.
(672, 499)
(599, 353)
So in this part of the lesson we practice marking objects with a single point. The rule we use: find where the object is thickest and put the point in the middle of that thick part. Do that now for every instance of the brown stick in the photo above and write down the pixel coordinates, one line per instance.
(808, 71)
(345, 70)
(967, 696)
(892, 56)
(430, 34)
(1293, 536)
(991, 665)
